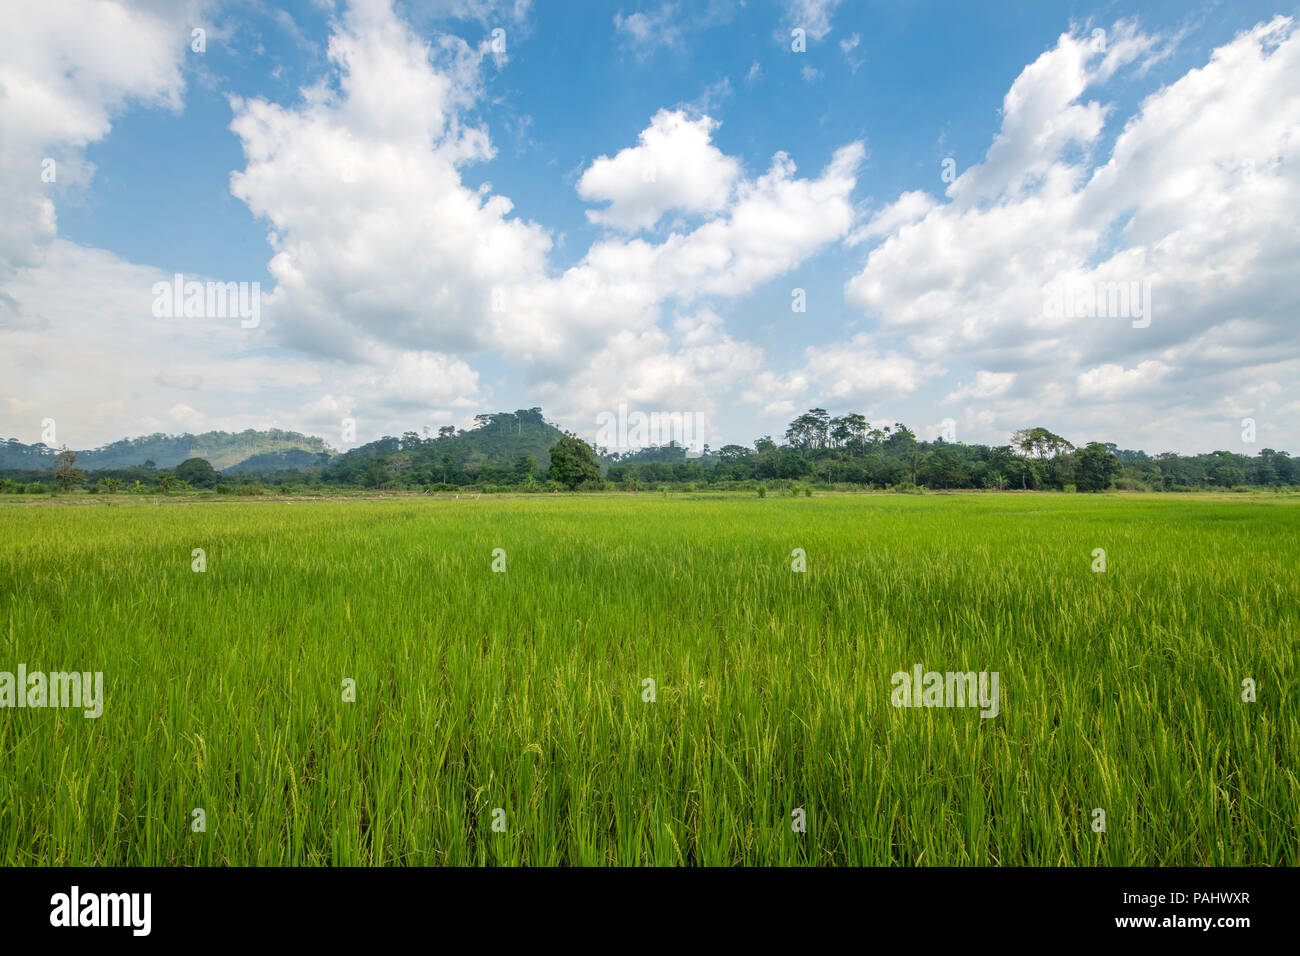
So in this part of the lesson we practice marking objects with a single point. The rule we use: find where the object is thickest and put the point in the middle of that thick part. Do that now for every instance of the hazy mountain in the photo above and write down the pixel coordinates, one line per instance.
(221, 449)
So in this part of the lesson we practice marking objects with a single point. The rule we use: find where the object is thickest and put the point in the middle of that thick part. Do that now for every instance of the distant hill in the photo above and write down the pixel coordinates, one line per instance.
(279, 461)
(497, 449)
(221, 449)
(490, 451)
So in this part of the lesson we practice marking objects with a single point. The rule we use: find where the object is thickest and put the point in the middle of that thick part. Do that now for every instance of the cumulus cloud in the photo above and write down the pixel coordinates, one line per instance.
(1115, 382)
(380, 244)
(691, 368)
(65, 69)
(674, 166)
(1192, 206)
(986, 385)
(393, 278)
(853, 373)
(80, 335)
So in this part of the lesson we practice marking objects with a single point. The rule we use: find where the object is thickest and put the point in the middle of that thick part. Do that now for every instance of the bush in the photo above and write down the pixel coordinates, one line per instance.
(1070, 489)
(36, 488)
(1131, 484)
(762, 491)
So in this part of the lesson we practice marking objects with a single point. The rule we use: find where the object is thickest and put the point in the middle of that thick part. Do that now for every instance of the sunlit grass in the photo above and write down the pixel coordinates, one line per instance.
(523, 691)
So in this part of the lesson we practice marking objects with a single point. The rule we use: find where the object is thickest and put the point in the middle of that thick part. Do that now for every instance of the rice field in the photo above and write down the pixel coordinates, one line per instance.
(647, 680)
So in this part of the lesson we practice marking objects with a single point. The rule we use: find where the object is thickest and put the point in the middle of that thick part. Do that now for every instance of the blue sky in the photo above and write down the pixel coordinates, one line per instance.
(1151, 145)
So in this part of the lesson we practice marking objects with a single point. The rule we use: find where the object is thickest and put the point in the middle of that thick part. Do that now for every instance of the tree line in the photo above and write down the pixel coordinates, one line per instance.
(521, 450)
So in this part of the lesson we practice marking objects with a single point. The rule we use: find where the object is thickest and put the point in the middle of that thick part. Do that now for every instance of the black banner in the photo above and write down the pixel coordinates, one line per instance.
(332, 906)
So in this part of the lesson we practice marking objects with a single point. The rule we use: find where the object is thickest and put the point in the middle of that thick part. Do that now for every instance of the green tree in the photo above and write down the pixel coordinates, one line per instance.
(1095, 467)
(525, 466)
(573, 461)
(1041, 444)
(67, 474)
(198, 472)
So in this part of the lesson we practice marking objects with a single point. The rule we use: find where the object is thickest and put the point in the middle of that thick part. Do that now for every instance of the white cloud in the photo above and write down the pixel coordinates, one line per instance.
(813, 16)
(845, 374)
(1112, 382)
(1195, 199)
(646, 32)
(65, 69)
(691, 369)
(987, 385)
(674, 166)
(847, 46)
(381, 245)
(907, 209)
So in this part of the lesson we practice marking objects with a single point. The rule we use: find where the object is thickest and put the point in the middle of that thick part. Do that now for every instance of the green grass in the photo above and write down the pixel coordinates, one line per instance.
(523, 690)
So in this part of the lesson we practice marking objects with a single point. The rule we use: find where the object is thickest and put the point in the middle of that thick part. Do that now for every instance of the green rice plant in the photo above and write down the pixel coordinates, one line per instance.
(635, 680)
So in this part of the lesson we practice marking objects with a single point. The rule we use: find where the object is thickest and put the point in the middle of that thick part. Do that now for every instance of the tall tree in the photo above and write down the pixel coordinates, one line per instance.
(573, 461)
(1095, 467)
(67, 474)
(198, 472)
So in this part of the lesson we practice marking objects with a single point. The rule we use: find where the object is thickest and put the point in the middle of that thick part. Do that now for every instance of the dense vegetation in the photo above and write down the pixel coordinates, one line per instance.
(514, 450)
(520, 687)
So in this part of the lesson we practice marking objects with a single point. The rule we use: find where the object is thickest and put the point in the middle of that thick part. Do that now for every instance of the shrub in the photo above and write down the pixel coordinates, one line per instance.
(1131, 484)
(762, 491)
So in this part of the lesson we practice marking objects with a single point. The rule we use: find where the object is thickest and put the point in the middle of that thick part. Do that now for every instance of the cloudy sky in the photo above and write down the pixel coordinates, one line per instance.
(734, 208)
